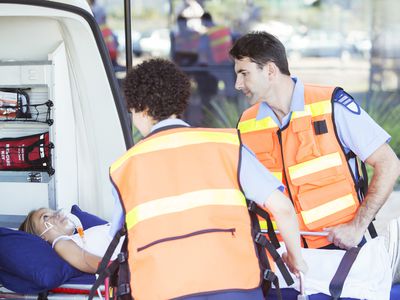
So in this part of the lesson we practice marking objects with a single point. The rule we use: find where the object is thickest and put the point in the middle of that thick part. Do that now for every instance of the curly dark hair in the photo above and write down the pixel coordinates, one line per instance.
(158, 86)
(261, 47)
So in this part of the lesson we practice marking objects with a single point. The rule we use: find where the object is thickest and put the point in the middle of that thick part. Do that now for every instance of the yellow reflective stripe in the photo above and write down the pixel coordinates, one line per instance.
(300, 114)
(169, 205)
(176, 140)
(315, 165)
(220, 41)
(214, 29)
(327, 209)
(314, 109)
(319, 108)
(263, 225)
(254, 125)
(278, 175)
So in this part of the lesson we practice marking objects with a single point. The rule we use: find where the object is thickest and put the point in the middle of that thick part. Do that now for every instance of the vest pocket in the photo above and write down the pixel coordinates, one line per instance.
(308, 148)
(184, 236)
(327, 205)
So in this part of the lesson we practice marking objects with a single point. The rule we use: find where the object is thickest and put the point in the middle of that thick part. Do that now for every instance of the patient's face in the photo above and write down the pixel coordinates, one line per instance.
(61, 225)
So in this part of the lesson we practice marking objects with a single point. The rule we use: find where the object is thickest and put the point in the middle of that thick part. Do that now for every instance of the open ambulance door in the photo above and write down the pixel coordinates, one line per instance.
(58, 86)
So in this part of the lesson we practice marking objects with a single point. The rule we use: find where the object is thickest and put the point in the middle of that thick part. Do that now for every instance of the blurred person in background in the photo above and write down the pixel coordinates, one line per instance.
(192, 10)
(214, 48)
(184, 44)
(109, 37)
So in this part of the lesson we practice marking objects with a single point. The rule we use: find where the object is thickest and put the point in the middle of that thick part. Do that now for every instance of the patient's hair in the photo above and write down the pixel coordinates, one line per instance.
(27, 225)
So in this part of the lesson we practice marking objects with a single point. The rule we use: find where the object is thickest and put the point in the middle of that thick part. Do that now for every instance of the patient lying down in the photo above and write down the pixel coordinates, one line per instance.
(81, 249)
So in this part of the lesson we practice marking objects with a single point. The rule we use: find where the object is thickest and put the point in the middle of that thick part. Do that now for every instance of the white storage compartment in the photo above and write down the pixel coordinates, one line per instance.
(25, 187)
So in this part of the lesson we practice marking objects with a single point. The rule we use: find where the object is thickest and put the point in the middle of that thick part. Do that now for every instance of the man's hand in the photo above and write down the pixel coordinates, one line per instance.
(295, 266)
(346, 235)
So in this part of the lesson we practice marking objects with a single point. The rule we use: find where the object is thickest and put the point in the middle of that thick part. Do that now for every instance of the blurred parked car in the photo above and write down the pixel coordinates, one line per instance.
(319, 43)
(121, 42)
(155, 43)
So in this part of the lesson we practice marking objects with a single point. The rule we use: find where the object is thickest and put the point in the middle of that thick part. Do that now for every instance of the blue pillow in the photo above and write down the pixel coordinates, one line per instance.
(28, 264)
(88, 220)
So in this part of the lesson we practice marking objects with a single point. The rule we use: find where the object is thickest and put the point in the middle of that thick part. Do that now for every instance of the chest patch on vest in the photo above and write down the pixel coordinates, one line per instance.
(320, 127)
(347, 101)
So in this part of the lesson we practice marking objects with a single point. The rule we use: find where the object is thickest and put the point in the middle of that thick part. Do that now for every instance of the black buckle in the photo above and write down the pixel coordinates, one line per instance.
(261, 239)
(122, 257)
(269, 275)
(252, 206)
(123, 289)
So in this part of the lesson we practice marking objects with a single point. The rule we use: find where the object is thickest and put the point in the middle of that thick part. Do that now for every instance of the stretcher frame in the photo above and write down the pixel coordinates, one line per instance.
(54, 294)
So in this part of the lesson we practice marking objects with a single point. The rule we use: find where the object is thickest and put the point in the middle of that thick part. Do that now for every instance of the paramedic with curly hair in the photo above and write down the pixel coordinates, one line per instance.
(182, 191)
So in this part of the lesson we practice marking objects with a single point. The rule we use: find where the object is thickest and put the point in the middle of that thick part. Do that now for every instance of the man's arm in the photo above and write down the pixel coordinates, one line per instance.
(262, 187)
(282, 209)
(386, 171)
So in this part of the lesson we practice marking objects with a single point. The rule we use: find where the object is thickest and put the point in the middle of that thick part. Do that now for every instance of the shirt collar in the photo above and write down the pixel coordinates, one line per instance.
(168, 122)
(297, 104)
(298, 96)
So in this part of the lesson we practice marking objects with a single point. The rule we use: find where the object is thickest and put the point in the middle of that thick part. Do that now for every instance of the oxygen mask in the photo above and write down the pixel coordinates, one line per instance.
(77, 224)
(73, 221)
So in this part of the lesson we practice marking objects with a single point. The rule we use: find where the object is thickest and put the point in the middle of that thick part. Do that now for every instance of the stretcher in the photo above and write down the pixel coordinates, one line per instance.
(293, 294)
(68, 291)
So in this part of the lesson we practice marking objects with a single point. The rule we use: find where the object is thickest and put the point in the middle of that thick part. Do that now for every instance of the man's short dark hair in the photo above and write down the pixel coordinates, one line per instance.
(158, 86)
(261, 47)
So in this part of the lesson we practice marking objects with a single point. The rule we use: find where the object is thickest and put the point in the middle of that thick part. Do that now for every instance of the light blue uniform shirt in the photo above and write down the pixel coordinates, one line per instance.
(357, 132)
(256, 181)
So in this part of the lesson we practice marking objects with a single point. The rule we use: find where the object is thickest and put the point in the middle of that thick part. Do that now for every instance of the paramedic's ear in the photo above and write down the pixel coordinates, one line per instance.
(142, 121)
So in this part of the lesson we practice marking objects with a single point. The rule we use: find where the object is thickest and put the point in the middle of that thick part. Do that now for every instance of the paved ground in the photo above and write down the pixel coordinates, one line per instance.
(389, 211)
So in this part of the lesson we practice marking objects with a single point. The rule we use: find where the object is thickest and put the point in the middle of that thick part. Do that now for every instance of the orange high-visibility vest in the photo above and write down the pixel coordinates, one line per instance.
(308, 158)
(220, 43)
(189, 230)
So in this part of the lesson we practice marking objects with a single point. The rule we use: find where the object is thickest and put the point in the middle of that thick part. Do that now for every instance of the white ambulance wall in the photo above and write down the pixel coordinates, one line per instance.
(99, 134)
(23, 39)
(63, 132)
(92, 128)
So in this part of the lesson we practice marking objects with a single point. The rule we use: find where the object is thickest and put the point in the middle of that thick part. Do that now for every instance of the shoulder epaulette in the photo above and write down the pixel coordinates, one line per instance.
(347, 101)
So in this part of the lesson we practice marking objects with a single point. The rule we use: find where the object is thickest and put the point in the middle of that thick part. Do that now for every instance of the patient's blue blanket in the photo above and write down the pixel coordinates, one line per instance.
(29, 265)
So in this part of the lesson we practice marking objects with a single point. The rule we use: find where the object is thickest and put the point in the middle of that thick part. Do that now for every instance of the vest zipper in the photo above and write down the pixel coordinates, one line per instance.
(205, 231)
(279, 134)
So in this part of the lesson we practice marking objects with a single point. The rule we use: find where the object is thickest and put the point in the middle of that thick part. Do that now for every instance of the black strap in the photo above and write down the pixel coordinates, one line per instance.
(263, 241)
(270, 276)
(43, 295)
(105, 269)
(102, 276)
(262, 255)
(337, 282)
(253, 207)
(110, 250)
(365, 178)
(371, 227)
(362, 187)
(123, 287)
